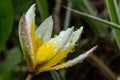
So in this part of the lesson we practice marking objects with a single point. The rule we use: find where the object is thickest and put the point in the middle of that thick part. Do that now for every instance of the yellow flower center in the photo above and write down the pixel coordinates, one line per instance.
(45, 53)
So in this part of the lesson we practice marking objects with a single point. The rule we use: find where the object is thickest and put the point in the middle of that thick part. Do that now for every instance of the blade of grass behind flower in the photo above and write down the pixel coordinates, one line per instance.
(55, 75)
(43, 8)
(105, 22)
(114, 17)
(87, 7)
(67, 15)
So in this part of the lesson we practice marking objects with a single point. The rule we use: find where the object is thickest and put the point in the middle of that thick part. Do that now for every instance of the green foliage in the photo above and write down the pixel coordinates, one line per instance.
(20, 6)
(55, 75)
(43, 8)
(115, 18)
(87, 7)
(6, 21)
(6, 68)
(67, 15)
(105, 22)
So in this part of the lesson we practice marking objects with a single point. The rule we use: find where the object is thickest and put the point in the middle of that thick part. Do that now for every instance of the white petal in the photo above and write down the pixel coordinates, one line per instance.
(76, 35)
(62, 38)
(75, 61)
(25, 40)
(44, 31)
(30, 16)
(73, 38)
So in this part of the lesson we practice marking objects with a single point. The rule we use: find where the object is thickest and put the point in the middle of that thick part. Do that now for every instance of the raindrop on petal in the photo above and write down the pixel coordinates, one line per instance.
(72, 50)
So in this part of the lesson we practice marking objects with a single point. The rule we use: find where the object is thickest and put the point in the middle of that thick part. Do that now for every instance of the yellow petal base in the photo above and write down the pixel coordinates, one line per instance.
(45, 53)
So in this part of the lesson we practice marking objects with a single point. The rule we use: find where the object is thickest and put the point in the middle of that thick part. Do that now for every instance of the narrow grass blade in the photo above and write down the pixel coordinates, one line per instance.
(63, 73)
(67, 15)
(114, 17)
(55, 75)
(87, 7)
(43, 8)
(108, 23)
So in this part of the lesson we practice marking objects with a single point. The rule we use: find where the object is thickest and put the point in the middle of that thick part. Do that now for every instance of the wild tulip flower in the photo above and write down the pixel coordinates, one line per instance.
(43, 53)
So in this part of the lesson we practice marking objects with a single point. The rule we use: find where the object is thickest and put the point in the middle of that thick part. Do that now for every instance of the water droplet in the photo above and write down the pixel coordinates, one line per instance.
(57, 68)
(55, 35)
(56, 50)
(72, 50)
(77, 43)
(67, 45)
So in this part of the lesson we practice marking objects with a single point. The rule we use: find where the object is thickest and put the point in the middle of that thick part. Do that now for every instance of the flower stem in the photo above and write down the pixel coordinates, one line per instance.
(29, 77)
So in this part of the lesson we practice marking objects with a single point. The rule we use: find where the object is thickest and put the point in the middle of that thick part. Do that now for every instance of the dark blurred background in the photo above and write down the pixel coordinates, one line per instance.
(103, 64)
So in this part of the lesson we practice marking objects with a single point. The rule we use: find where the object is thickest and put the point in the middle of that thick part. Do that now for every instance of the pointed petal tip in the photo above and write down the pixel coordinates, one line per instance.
(84, 55)
(73, 62)
(91, 50)
(70, 29)
(67, 31)
(76, 34)
(30, 12)
(50, 17)
(94, 48)
(33, 4)
(31, 9)
(45, 29)
(50, 20)
(30, 16)
(81, 28)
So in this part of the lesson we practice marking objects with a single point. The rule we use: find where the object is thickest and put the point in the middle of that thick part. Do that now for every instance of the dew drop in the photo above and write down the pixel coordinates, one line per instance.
(55, 35)
(56, 50)
(77, 43)
(72, 50)
(57, 68)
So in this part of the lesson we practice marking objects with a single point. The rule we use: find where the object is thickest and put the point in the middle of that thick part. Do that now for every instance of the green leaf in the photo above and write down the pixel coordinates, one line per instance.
(114, 17)
(43, 8)
(87, 7)
(105, 22)
(63, 73)
(67, 15)
(21, 6)
(55, 75)
(7, 67)
(6, 21)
